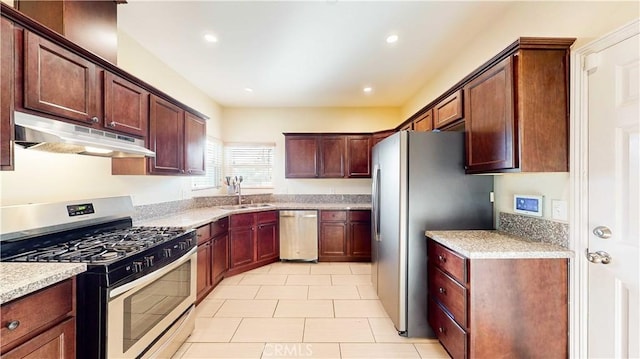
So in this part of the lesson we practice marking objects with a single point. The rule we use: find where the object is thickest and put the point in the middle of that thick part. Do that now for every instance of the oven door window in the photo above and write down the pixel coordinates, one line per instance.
(144, 309)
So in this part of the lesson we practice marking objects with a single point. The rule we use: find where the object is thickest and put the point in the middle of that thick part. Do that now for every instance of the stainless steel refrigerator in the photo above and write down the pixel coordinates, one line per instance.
(419, 184)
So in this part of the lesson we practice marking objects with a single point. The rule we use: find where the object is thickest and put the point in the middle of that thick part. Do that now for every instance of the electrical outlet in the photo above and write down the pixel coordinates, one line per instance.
(559, 210)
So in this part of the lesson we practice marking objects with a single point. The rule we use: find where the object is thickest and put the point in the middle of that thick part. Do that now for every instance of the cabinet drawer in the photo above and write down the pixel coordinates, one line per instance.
(36, 312)
(452, 337)
(269, 216)
(241, 220)
(203, 233)
(333, 216)
(449, 293)
(361, 216)
(220, 226)
(448, 260)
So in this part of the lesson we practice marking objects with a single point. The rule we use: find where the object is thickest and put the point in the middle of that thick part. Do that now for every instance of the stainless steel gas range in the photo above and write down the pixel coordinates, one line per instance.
(137, 297)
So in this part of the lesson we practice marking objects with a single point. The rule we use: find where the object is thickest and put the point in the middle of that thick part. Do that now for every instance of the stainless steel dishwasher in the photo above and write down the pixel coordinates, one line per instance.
(299, 235)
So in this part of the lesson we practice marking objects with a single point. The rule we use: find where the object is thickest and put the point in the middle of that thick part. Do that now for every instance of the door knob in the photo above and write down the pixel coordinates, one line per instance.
(598, 257)
(602, 232)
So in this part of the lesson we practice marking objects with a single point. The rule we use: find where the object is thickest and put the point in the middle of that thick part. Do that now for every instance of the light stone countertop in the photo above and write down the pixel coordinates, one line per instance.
(19, 279)
(495, 244)
(200, 216)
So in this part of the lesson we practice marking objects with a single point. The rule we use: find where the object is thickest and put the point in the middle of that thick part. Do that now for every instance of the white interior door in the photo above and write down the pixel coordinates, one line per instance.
(613, 197)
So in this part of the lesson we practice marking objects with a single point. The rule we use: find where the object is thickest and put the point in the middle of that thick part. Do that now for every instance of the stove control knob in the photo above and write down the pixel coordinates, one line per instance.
(166, 252)
(183, 245)
(137, 267)
(148, 261)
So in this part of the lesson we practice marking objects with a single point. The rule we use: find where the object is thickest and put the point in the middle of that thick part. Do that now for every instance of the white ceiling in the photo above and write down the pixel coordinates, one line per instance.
(319, 53)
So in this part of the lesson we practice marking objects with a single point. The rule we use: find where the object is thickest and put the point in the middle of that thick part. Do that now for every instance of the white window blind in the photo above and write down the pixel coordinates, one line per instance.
(212, 166)
(252, 161)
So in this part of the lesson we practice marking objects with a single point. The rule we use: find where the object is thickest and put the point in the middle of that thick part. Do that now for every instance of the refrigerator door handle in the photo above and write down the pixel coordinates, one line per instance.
(376, 202)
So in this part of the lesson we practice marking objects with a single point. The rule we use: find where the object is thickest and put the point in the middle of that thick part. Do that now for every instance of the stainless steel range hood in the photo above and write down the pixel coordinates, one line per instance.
(39, 133)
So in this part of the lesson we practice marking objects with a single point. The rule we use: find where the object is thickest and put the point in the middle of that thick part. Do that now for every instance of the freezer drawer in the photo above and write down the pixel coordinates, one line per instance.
(299, 235)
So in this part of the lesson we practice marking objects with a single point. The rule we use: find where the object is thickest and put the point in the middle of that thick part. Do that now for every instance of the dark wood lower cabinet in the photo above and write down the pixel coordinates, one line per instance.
(345, 236)
(46, 326)
(253, 240)
(213, 256)
(489, 308)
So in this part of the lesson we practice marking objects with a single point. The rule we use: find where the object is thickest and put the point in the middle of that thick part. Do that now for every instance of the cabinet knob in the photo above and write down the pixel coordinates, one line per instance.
(13, 325)
(442, 258)
(442, 290)
(442, 330)
(112, 124)
(94, 119)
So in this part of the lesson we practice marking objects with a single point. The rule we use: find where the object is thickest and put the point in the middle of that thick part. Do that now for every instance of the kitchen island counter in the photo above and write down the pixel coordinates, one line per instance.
(200, 216)
(19, 279)
(486, 244)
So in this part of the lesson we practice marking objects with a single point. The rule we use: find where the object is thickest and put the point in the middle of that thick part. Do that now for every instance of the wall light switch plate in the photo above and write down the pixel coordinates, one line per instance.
(559, 210)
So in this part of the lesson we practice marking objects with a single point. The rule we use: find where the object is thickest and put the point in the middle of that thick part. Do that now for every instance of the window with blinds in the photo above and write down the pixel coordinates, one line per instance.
(252, 161)
(212, 166)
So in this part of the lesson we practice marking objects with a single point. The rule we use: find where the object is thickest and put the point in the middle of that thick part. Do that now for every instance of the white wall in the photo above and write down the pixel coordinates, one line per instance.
(581, 19)
(268, 124)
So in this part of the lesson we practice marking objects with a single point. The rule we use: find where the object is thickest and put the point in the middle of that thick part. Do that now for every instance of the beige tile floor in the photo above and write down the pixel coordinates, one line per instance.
(300, 310)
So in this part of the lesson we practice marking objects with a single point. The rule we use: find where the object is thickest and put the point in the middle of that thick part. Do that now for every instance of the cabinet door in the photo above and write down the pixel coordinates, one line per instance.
(268, 241)
(242, 246)
(332, 155)
(301, 156)
(166, 137)
(333, 239)
(407, 127)
(220, 257)
(359, 156)
(195, 138)
(58, 82)
(425, 122)
(57, 342)
(360, 239)
(126, 106)
(379, 136)
(490, 139)
(448, 111)
(6, 94)
(203, 276)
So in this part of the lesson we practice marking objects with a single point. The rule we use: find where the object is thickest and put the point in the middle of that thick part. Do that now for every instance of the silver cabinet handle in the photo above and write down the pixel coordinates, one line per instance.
(112, 124)
(94, 119)
(13, 325)
(442, 290)
(602, 232)
(598, 257)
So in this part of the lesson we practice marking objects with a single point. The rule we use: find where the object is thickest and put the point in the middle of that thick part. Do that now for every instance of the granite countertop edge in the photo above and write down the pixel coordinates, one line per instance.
(200, 216)
(20, 279)
(495, 244)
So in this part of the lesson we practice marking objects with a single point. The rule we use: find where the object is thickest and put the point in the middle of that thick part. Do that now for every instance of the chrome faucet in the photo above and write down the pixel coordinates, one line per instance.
(237, 181)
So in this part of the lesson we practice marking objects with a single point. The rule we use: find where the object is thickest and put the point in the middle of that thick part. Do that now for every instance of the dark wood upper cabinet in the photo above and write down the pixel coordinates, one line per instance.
(359, 156)
(90, 24)
(407, 127)
(126, 106)
(517, 111)
(6, 94)
(327, 155)
(380, 135)
(491, 144)
(59, 82)
(448, 111)
(332, 156)
(166, 137)
(424, 123)
(301, 156)
(195, 139)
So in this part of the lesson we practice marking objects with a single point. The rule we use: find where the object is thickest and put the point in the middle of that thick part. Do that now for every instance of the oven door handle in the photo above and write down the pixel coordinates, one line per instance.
(143, 281)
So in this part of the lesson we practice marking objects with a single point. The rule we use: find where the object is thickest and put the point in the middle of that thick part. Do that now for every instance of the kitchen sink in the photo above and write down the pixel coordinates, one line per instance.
(244, 206)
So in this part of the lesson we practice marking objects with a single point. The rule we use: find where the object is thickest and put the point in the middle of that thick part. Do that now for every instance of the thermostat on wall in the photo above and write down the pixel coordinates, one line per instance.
(527, 204)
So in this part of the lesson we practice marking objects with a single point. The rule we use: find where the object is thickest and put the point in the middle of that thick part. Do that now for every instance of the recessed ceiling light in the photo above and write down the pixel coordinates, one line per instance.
(391, 39)
(210, 38)
(248, 89)
(367, 89)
